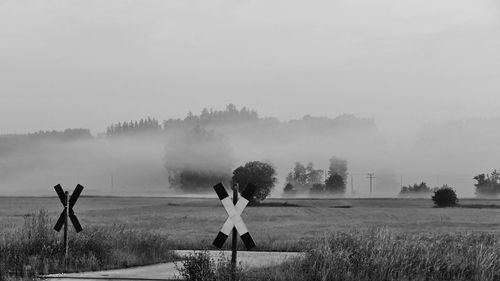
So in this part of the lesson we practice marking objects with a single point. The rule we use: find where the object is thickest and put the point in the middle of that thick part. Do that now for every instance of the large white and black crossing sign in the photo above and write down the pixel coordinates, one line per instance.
(68, 207)
(234, 212)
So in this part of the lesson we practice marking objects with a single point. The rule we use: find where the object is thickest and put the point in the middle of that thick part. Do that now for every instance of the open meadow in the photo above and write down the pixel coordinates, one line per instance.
(278, 224)
(345, 239)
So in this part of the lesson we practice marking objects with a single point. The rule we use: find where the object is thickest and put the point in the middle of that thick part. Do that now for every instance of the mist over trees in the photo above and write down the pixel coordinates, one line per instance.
(488, 185)
(303, 179)
(147, 125)
(337, 176)
(130, 157)
(188, 154)
(195, 160)
(417, 190)
(210, 117)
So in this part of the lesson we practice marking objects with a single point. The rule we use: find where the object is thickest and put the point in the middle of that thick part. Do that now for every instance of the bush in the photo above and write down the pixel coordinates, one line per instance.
(201, 267)
(36, 248)
(380, 254)
(445, 197)
(198, 267)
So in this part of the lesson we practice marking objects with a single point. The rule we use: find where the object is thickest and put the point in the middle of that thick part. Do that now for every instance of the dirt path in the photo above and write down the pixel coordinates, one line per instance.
(168, 271)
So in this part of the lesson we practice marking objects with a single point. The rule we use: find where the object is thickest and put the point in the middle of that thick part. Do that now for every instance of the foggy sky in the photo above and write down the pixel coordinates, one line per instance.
(90, 63)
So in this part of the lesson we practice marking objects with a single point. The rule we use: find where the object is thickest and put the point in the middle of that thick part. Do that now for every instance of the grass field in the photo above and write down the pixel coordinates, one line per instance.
(377, 239)
(194, 222)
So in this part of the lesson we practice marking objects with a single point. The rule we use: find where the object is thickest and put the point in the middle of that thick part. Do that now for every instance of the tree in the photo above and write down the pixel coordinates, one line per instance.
(445, 197)
(488, 184)
(415, 190)
(260, 174)
(197, 159)
(313, 176)
(288, 188)
(317, 188)
(335, 184)
(299, 174)
(338, 166)
(304, 177)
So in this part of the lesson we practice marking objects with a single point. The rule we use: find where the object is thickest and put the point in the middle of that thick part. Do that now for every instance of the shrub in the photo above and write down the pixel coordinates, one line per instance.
(36, 248)
(445, 197)
(198, 267)
(380, 254)
(201, 267)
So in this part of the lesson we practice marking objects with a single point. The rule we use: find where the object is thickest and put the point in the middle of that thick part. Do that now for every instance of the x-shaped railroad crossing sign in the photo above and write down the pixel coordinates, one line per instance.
(234, 219)
(68, 207)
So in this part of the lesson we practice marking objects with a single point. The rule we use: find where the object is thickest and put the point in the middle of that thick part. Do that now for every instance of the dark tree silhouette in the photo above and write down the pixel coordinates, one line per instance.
(318, 188)
(260, 174)
(335, 184)
(415, 190)
(338, 166)
(133, 127)
(445, 197)
(289, 188)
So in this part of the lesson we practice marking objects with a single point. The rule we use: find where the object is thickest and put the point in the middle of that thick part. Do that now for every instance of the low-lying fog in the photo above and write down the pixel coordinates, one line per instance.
(136, 162)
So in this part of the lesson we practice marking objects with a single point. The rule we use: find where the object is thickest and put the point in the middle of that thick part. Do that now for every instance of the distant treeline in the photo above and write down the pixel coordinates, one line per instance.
(10, 143)
(487, 186)
(68, 134)
(208, 118)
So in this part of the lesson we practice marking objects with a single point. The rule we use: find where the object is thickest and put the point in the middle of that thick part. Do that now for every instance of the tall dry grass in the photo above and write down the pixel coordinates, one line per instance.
(35, 248)
(380, 254)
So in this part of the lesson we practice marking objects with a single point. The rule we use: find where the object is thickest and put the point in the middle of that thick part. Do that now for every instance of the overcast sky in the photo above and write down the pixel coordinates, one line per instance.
(88, 63)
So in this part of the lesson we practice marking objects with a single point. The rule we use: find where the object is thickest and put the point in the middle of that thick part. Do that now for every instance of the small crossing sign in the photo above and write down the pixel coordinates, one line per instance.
(234, 210)
(68, 208)
(67, 214)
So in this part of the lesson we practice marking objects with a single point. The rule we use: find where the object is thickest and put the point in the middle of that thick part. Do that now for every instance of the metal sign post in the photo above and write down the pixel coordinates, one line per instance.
(234, 245)
(67, 214)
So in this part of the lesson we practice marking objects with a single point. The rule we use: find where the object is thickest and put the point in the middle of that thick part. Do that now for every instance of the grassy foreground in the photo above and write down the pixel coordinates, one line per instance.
(35, 248)
(380, 254)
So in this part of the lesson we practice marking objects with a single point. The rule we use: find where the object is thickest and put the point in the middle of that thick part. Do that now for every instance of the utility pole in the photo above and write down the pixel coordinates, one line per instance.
(112, 182)
(371, 176)
(352, 185)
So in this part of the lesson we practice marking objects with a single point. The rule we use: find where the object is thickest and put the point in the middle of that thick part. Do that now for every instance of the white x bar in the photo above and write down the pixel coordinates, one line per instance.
(234, 212)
